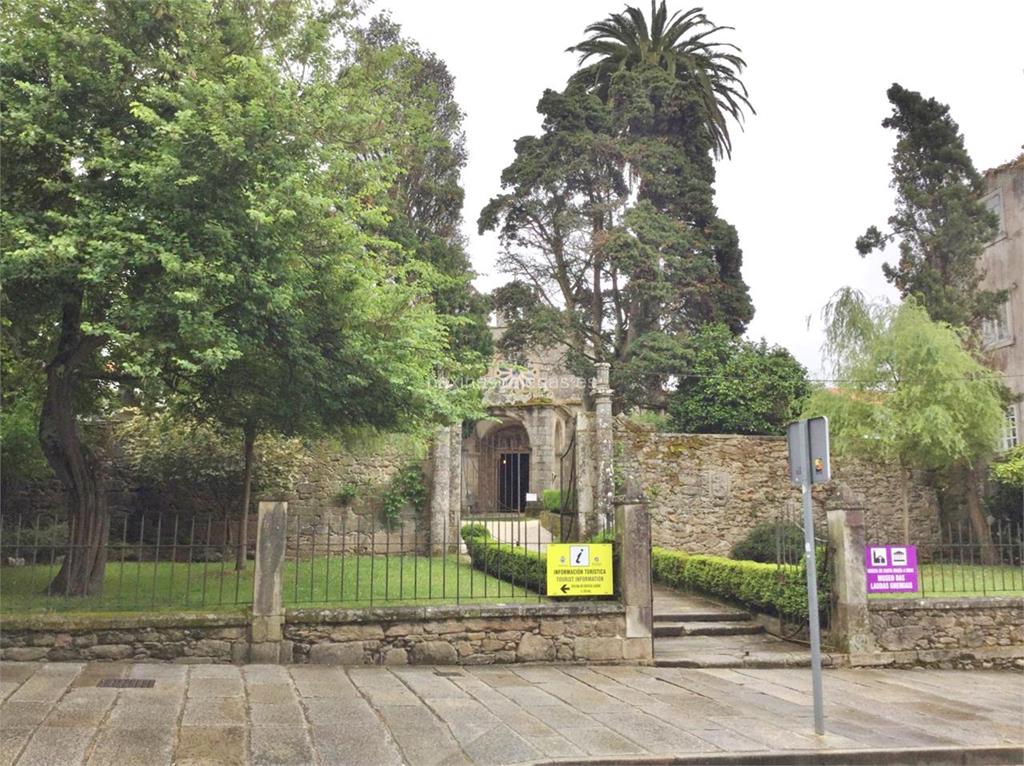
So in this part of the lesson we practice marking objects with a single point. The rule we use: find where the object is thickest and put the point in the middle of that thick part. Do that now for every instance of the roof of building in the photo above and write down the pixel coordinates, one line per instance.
(1017, 162)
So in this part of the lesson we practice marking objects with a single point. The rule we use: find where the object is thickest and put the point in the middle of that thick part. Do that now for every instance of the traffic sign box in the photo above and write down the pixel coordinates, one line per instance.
(579, 569)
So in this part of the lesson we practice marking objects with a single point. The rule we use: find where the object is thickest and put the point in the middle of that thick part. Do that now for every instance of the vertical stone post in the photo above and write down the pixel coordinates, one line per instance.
(455, 484)
(585, 484)
(603, 447)
(440, 491)
(633, 535)
(850, 620)
(267, 642)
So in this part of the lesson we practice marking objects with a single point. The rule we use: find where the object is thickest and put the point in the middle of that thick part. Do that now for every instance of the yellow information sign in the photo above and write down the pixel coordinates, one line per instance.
(580, 569)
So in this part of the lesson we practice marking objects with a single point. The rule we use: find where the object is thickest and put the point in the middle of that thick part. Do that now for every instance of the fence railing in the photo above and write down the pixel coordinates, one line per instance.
(959, 561)
(154, 560)
(163, 560)
(355, 562)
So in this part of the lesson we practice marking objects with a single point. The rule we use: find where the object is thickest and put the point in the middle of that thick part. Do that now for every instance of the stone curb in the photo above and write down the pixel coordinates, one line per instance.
(114, 620)
(930, 756)
(412, 613)
(978, 602)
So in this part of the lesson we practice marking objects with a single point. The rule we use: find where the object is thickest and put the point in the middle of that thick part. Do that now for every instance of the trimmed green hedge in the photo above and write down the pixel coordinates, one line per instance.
(504, 560)
(762, 587)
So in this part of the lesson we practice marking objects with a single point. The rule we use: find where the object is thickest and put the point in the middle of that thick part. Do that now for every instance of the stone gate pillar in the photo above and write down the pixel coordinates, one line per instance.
(440, 489)
(455, 483)
(633, 535)
(603, 448)
(850, 623)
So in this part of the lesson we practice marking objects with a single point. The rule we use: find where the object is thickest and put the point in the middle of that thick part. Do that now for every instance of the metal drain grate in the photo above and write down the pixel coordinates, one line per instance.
(127, 683)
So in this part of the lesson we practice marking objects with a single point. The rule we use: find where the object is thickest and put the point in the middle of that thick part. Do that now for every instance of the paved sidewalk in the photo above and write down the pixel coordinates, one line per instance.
(303, 714)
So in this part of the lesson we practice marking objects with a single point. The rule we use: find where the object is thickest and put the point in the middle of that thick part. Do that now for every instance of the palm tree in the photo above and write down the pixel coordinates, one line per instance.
(678, 45)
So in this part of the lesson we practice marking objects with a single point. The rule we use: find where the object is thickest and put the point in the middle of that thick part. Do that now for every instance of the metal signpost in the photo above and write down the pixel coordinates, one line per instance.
(809, 464)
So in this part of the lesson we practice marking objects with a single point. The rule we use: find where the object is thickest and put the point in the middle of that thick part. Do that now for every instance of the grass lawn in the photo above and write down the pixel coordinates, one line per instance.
(964, 581)
(216, 587)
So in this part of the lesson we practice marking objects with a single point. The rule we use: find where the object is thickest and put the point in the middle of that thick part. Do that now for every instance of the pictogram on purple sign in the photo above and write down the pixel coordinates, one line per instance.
(891, 568)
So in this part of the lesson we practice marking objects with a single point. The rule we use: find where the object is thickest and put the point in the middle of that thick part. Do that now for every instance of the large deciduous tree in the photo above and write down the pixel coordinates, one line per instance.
(192, 188)
(911, 394)
(940, 223)
(609, 214)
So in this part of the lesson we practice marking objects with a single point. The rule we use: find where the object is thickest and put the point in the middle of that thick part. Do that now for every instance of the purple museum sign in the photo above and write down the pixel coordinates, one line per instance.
(891, 568)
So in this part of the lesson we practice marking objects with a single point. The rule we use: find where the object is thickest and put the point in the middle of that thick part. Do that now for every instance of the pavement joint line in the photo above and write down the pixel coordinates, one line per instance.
(307, 727)
(53, 706)
(375, 711)
(181, 713)
(433, 712)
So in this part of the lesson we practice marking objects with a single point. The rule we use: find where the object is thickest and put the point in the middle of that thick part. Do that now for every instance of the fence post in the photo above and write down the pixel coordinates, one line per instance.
(850, 619)
(440, 491)
(633, 535)
(603, 447)
(267, 644)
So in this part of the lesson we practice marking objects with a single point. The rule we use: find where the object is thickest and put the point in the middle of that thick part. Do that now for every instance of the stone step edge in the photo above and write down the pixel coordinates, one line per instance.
(935, 756)
(701, 616)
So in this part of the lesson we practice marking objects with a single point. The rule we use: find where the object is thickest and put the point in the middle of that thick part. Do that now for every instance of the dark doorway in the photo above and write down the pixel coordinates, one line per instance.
(513, 481)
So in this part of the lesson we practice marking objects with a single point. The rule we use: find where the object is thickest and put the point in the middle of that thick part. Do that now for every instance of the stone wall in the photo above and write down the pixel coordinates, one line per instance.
(706, 492)
(589, 632)
(181, 638)
(977, 632)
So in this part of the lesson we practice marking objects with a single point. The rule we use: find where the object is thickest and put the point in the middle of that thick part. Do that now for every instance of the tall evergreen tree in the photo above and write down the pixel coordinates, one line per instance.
(940, 224)
(619, 188)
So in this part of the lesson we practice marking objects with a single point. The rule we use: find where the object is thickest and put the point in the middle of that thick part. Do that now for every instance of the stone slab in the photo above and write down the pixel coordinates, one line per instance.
(64, 745)
(211, 746)
(151, 746)
(280, 745)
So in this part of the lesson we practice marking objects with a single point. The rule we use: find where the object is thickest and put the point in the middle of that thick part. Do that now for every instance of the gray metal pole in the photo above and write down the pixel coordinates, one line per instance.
(812, 579)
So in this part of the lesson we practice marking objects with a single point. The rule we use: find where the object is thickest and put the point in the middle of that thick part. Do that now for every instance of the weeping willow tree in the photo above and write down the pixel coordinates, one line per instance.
(909, 393)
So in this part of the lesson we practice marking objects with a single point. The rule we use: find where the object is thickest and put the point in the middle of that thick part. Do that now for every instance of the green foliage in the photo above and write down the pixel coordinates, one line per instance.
(345, 494)
(406, 489)
(912, 393)
(19, 441)
(505, 561)
(940, 222)
(197, 465)
(762, 543)
(1009, 468)
(730, 385)
(601, 271)
(553, 499)
(655, 421)
(763, 587)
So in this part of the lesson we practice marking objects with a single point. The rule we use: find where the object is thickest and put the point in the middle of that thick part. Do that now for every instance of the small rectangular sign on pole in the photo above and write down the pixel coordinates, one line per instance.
(809, 464)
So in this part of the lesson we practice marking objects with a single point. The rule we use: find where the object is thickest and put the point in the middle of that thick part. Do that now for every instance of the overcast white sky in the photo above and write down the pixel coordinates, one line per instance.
(810, 171)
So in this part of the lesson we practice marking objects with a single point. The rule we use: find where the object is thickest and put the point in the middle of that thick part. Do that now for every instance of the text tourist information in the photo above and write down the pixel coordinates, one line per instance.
(580, 569)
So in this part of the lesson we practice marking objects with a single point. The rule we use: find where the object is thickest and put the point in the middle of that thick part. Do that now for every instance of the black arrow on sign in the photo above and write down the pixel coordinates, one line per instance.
(565, 588)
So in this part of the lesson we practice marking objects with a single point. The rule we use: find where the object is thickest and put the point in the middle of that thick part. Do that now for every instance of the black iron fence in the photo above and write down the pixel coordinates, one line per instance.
(352, 561)
(152, 561)
(962, 560)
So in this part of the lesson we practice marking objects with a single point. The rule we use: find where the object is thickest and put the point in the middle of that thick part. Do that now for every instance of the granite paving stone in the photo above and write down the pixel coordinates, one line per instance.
(212, 746)
(280, 745)
(116, 746)
(64, 745)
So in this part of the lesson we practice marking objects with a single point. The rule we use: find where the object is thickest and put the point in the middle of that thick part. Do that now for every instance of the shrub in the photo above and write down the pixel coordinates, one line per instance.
(345, 494)
(505, 561)
(762, 587)
(405, 490)
(761, 542)
(553, 499)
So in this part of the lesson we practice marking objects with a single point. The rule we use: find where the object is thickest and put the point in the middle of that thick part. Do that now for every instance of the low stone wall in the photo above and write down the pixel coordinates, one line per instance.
(171, 637)
(967, 632)
(590, 632)
(706, 492)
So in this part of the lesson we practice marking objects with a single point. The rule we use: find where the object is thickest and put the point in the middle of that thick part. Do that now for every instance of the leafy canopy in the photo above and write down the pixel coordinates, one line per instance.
(940, 223)
(910, 390)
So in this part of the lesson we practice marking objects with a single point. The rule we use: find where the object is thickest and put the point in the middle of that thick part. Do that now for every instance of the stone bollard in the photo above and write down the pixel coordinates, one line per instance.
(440, 491)
(851, 624)
(633, 535)
(267, 644)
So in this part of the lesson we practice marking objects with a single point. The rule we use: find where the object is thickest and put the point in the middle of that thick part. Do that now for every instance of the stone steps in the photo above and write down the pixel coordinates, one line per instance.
(724, 615)
(714, 628)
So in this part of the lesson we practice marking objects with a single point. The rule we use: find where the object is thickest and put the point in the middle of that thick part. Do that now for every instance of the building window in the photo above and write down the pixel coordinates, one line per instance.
(996, 331)
(1011, 432)
(994, 202)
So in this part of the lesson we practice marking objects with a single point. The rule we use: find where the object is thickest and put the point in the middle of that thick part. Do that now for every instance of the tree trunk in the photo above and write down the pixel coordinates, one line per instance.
(84, 565)
(907, 477)
(249, 434)
(979, 524)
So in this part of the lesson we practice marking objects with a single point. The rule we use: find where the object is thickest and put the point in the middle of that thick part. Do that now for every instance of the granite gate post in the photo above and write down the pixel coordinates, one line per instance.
(633, 536)
(850, 623)
(267, 644)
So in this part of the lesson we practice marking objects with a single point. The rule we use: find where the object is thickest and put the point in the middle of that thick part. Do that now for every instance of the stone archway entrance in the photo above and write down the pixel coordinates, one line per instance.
(497, 468)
